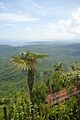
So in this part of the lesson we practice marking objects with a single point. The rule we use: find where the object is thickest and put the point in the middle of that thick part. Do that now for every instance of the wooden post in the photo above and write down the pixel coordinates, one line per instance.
(5, 112)
(50, 89)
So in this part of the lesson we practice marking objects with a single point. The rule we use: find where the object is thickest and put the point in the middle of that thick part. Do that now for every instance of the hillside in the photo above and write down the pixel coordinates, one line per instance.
(56, 51)
(12, 80)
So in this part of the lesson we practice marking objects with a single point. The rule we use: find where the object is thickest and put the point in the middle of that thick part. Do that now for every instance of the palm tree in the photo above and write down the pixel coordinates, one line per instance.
(27, 61)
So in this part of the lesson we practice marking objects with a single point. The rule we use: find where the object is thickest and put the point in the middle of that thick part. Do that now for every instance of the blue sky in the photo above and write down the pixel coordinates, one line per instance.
(39, 19)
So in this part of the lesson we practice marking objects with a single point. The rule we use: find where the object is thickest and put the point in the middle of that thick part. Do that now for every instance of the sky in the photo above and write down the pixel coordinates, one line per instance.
(39, 20)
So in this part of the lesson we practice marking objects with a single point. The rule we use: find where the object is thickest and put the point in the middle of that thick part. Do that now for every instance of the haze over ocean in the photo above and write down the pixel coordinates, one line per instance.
(35, 42)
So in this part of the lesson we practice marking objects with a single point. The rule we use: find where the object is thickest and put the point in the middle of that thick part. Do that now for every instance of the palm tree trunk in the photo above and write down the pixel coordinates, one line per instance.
(5, 113)
(30, 81)
(30, 86)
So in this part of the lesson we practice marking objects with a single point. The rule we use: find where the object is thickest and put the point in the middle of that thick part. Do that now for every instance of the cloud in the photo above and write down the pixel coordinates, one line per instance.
(15, 17)
(2, 6)
(39, 9)
(65, 29)
(34, 4)
(10, 25)
(76, 15)
(29, 29)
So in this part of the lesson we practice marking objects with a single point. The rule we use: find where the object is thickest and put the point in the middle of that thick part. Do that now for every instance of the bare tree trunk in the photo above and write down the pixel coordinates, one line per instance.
(30, 86)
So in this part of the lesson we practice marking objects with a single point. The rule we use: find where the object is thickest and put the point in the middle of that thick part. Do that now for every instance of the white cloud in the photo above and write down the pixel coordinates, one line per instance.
(76, 15)
(39, 9)
(34, 4)
(10, 24)
(2, 6)
(65, 29)
(29, 29)
(15, 17)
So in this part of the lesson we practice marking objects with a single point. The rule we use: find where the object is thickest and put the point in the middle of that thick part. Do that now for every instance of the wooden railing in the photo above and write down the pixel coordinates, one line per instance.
(62, 95)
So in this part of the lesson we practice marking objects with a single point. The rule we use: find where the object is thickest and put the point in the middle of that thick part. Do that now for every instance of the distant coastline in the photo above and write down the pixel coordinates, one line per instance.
(35, 42)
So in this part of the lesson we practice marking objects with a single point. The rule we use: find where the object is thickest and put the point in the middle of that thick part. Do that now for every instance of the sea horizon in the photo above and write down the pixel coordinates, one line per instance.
(35, 42)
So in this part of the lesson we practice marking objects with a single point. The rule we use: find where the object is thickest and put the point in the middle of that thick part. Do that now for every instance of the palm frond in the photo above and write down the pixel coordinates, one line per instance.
(19, 62)
(26, 60)
(40, 56)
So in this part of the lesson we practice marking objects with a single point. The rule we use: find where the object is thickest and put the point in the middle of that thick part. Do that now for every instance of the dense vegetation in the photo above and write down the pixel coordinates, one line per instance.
(14, 92)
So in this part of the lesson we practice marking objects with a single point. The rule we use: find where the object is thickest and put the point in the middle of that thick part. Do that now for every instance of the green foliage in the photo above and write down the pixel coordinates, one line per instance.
(20, 107)
(58, 78)
(63, 79)
(14, 80)
(68, 110)
(40, 91)
(13, 84)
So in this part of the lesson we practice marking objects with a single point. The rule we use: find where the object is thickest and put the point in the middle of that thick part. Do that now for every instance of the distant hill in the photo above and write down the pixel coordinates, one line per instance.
(12, 80)
(54, 50)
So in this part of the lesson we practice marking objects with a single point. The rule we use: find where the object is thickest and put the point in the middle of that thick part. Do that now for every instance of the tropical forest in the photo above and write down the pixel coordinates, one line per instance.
(40, 81)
